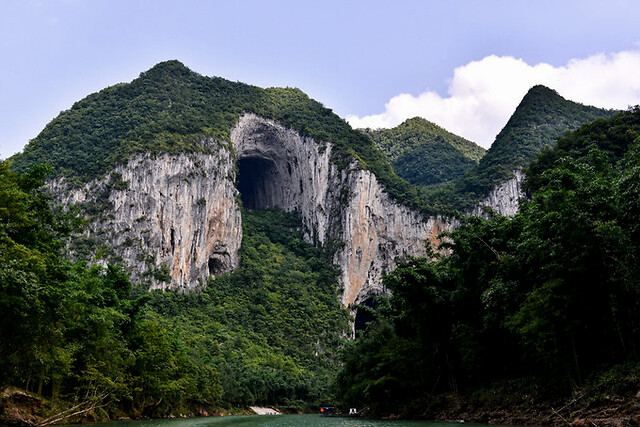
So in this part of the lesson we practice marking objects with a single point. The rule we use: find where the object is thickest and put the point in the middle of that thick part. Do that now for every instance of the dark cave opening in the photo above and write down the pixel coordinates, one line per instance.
(215, 266)
(362, 314)
(254, 182)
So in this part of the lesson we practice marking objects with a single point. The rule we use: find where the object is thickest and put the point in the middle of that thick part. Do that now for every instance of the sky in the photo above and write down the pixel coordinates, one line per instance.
(464, 65)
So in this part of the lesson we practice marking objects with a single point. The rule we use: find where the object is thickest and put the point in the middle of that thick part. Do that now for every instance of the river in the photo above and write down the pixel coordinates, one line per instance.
(270, 421)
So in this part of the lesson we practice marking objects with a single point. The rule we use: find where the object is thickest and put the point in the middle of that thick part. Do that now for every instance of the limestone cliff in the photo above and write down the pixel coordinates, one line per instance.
(172, 219)
(505, 197)
(346, 206)
(175, 219)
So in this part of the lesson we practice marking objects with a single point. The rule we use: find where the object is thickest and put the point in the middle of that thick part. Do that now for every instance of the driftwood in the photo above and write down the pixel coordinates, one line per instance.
(92, 403)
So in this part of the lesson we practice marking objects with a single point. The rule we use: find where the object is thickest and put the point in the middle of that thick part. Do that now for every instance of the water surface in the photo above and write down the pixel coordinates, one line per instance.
(271, 421)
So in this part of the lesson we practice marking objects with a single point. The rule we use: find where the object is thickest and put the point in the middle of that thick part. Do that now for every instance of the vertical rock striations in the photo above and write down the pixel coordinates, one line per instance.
(174, 220)
(505, 197)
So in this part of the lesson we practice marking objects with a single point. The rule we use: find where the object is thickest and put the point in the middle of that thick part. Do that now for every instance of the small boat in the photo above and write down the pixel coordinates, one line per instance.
(329, 411)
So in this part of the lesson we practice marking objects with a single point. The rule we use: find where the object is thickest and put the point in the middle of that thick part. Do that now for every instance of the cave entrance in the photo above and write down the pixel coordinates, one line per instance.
(255, 182)
(215, 266)
(363, 316)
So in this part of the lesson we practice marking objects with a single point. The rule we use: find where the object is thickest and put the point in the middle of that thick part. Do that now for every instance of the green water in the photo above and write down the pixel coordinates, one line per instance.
(271, 420)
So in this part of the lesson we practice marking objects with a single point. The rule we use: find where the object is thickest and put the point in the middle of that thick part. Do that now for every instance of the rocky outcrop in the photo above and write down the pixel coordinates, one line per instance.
(376, 231)
(504, 199)
(278, 167)
(174, 220)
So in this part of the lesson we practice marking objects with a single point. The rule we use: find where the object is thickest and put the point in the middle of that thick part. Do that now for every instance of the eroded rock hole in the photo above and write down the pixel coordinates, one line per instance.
(215, 266)
(363, 315)
(255, 182)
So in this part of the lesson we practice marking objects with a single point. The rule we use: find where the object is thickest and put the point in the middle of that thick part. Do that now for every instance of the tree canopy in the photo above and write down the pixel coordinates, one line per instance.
(549, 295)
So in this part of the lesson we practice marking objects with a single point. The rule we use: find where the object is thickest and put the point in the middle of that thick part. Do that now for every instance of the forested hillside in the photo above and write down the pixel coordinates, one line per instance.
(170, 108)
(538, 304)
(542, 116)
(80, 335)
(452, 174)
(424, 153)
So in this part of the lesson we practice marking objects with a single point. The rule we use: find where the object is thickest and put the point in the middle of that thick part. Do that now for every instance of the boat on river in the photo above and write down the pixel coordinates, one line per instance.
(330, 411)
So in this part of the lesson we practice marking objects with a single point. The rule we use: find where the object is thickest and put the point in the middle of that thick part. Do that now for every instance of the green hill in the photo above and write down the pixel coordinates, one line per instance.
(80, 334)
(424, 153)
(613, 137)
(542, 116)
(170, 108)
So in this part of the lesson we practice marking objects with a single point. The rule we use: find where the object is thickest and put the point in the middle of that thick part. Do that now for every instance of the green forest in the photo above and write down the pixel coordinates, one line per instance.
(82, 336)
(171, 109)
(450, 174)
(539, 304)
(541, 117)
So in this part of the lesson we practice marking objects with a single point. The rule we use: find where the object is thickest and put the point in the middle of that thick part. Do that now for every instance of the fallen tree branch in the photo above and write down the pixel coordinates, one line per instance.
(89, 405)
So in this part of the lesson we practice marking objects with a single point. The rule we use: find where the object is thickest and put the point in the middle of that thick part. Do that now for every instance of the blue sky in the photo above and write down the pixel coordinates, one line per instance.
(461, 64)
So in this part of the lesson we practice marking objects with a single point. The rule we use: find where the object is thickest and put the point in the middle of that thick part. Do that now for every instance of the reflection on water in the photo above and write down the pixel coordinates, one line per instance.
(271, 421)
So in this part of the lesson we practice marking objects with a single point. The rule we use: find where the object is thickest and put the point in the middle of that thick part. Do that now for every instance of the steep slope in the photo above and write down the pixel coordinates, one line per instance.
(423, 153)
(171, 109)
(542, 116)
(538, 305)
(163, 164)
(613, 137)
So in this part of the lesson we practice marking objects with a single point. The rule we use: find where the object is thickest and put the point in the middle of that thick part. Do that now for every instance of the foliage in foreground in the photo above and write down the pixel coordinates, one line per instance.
(551, 295)
(73, 331)
(266, 333)
(272, 328)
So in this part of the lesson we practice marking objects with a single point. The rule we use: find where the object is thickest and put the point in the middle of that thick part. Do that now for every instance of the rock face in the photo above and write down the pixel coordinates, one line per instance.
(375, 231)
(504, 198)
(174, 220)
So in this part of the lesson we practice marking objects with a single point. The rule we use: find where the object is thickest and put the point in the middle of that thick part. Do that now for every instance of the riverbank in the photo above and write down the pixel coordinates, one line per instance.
(21, 408)
(260, 410)
(613, 402)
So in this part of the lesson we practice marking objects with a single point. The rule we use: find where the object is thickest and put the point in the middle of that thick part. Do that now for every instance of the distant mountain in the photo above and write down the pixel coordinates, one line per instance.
(542, 116)
(423, 153)
(171, 109)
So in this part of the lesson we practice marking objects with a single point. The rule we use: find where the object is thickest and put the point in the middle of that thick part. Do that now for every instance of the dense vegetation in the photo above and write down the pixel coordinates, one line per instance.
(450, 174)
(424, 153)
(271, 328)
(172, 109)
(266, 333)
(540, 118)
(549, 298)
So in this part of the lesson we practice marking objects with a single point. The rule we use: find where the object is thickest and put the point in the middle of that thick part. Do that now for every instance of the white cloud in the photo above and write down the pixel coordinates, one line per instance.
(483, 94)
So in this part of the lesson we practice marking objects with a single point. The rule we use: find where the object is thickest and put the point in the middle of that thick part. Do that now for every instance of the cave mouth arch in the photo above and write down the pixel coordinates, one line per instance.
(363, 314)
(256, 182)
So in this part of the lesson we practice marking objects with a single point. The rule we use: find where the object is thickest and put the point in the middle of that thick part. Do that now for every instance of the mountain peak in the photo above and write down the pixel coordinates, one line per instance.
(541, 117)
(541, 90)
(172, 67)
(419, 122)
(541, 95)
(423, 153)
